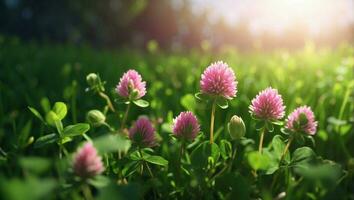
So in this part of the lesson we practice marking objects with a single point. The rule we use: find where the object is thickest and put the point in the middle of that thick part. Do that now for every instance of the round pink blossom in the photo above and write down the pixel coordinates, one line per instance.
(268, 105)
(131, 85)
(86, 162)
(186, 126)
(142, 133)
(219, 80)
(302, 119)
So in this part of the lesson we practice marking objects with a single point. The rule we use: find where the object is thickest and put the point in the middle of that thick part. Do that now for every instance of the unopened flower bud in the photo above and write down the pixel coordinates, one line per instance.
(96, 117)
(236, 127)
(92, 79)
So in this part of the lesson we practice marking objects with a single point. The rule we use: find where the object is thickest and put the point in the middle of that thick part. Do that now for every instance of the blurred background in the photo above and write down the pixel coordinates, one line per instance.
(178, 24)
(304, 48)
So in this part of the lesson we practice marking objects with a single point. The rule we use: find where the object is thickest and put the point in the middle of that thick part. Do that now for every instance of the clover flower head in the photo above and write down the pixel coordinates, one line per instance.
(219, 80)
(186, 126)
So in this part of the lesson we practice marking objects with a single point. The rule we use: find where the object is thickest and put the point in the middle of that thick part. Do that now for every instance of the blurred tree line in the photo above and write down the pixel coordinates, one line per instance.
(116, 23)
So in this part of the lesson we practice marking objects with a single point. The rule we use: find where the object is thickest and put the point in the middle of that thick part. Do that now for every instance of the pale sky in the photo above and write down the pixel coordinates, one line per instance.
(276, 15)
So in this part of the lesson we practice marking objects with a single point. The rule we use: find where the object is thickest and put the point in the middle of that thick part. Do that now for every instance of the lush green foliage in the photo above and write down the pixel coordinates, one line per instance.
(44, 103)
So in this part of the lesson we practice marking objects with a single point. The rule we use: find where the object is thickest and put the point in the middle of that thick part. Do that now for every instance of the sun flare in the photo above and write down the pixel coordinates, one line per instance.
(278, 15)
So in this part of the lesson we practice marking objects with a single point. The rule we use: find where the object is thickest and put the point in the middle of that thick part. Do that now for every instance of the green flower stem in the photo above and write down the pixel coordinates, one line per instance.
(122, 128)
(149, 170)
(105, 110)
(281, 159)
(108, 101)
(181, 151)
(145, 163)
(60, 152)
(233, 156)
(220, 172)
(286, 148)
(87, 192)
(227, 166)
(108, 126)
(212, 118)
(65, 151)
(260, 147)
(87, 138)
(274, 180)
(340, 116)
(2, 152)
(141, 169)
(125, 116)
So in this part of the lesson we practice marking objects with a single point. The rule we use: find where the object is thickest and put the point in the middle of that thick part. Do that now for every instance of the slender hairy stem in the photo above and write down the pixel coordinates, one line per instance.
(87, 192)
(60, 152)
(260, 147)
(119, 155)
(145, 163)
(220, 172)
(142, 157)
(181, 150)
(233, 157)
(274, 179)
(109, 103)
(340, 116)
(108, 126)
(281, 159)
(65, 151)
(105, 110)
(125, 116)
(149, 170)
(2, 152)
(141, 169)
(286, 149)
(212, 123)
(228, 166)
